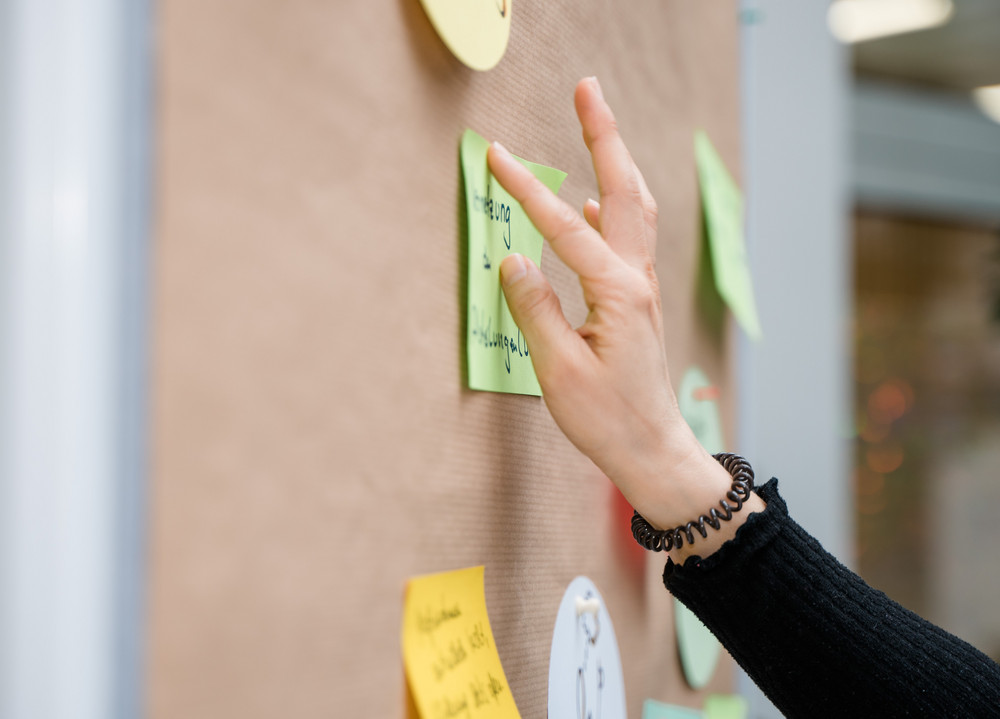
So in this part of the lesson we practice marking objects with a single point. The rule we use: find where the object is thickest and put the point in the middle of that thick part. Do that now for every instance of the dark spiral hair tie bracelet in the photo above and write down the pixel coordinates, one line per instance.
(663, 540)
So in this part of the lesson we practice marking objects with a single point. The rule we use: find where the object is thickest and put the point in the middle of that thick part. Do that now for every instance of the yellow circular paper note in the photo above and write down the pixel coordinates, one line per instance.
(475, 30)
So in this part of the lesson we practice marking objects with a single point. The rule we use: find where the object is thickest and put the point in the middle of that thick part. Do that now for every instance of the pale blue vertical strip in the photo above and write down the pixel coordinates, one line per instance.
(74, 186)
(136, 73)
(794, 385)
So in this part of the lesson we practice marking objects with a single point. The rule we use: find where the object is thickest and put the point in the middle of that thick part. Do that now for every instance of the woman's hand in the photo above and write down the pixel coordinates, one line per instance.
(606, 383)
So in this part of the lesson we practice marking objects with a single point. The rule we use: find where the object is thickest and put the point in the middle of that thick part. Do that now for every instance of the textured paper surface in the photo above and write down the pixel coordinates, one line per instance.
(723, 206)
(312, 441)
(475, 30)
(499, 357)
(449, 651)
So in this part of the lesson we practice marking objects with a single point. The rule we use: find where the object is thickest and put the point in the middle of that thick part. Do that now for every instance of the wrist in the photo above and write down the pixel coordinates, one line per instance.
(705, 547)
(725, 519)
(679, 486)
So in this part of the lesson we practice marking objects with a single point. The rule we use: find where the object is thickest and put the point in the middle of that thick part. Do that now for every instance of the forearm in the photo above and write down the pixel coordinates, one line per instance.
(817, 639)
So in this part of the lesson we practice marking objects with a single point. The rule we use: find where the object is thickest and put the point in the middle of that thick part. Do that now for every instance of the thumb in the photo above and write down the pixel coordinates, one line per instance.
(536, 310)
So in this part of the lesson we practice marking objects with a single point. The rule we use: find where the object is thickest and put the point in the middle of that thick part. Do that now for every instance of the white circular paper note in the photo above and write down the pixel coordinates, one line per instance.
(585, 668)
(477, 31)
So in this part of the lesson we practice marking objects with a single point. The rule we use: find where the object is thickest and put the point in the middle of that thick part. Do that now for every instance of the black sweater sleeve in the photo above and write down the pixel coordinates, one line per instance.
(819, 641)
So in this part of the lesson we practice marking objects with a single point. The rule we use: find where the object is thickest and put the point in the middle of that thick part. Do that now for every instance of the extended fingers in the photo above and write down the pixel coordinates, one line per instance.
(650, 213)
(537, 312)
(577, 245)
(623, 206)
(592, 214)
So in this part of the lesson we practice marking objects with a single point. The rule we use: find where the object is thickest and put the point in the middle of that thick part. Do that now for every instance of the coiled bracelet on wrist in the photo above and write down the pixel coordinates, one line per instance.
(663, 540)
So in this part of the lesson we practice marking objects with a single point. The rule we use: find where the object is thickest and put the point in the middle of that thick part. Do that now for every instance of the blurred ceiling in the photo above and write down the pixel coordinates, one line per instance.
(961, 55)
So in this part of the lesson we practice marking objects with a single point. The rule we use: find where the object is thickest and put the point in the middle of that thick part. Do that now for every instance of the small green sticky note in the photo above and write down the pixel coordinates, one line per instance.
(723, 205)
(698, 647)
(499, 360)
(652, 709)
(696, 400)
(725, 706)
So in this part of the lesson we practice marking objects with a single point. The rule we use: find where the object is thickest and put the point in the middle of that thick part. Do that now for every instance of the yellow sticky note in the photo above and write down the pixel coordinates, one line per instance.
(477, 31)
(723, 204)
(499, 358)
(449, 653)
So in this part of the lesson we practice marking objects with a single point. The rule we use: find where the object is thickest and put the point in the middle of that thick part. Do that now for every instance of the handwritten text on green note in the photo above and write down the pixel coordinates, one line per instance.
(723, 204)
(499, 360)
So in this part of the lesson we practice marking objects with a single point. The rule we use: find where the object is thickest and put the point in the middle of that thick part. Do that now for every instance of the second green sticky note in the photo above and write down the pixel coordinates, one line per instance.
(723, 204)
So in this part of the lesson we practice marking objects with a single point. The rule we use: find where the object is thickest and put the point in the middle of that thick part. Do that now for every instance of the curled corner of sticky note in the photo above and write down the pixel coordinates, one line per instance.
(722, 202)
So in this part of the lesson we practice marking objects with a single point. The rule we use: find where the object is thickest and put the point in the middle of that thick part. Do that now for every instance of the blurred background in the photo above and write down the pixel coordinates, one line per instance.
(926, 317)
(871, 157)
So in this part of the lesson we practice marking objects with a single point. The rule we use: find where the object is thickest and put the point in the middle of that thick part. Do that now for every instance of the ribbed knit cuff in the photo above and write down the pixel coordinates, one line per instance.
(759, 529)
(817, 639)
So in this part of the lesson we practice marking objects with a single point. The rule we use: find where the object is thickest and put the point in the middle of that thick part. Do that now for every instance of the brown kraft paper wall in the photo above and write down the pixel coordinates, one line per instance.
(313, 442)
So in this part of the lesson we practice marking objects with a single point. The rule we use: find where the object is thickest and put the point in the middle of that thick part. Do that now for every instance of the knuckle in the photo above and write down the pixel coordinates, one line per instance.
(645, 294)
(649, 266)
(566, 218)
(606, 128)
(627, 190)
(652, 212)
(533, 302)
(654, 281)
(535, 195)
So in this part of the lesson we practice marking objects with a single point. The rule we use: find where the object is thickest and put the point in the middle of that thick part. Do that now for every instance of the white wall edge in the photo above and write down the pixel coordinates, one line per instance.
(793, 388)
(73, 239)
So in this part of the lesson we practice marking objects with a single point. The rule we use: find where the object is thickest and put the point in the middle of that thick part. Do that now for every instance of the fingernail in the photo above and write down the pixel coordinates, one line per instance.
(597, 86)
(500, 148)
(593, 202)
(512, 269)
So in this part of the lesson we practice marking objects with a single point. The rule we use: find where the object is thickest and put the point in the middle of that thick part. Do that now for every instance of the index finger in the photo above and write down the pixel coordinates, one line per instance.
(580, 247)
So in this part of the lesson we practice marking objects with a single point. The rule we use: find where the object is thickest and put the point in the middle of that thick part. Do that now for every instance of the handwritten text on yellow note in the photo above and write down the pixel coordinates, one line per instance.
(451, 660)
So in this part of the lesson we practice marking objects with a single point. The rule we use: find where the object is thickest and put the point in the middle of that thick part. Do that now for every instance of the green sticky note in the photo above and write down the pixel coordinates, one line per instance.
(725, 706)
(723, 205)
(499, 359)
(698, 647)
(652, 709)
(696, 399)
